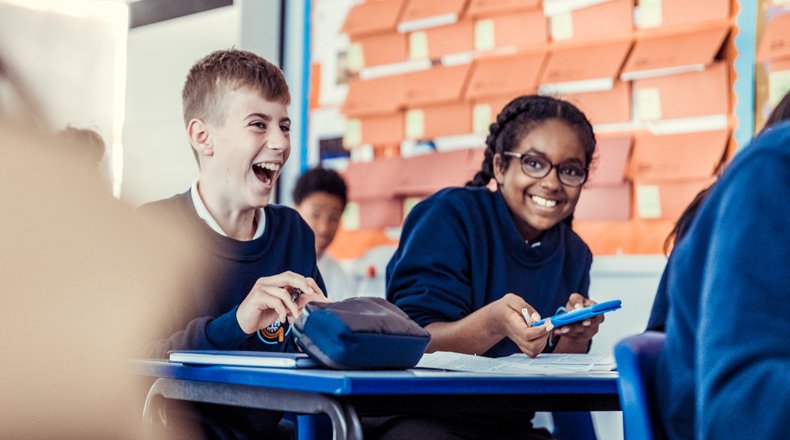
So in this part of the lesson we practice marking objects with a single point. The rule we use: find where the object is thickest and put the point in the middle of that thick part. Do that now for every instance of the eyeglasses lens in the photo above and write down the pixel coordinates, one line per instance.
(538, 167)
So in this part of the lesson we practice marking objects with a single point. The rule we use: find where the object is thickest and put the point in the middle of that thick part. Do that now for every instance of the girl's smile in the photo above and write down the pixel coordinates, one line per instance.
(538, 204)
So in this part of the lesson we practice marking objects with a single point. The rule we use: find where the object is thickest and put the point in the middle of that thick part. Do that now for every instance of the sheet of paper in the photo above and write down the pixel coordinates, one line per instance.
(562, 26)
(648, 201)
(482, 117)
(650, 13)
(484, 35)
(415, 124)
(444, 360)
(648, 101)
(418, 46)
(568, 361)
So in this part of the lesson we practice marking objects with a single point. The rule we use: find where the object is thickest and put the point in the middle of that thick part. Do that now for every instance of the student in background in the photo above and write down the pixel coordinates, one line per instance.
(723, 371)
(470, 260)
(238, 127)
(320, 198)
(658, 314)
(86, 144)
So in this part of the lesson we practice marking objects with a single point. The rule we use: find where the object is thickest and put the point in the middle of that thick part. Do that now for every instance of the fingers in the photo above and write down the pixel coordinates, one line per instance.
(277, 298)
(576, 301)
(291, 279)
(314, 286)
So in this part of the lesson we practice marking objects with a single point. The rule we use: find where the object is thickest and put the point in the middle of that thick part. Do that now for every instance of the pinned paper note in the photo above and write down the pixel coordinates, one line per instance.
(482, 117)
(355, 57)
(410, 203)
(353, 134)
(350, 218)
(778, 85)
(650, 14)
(363, 153)
(648, 102)
(562, 26)
(415, 124)
(648, 201)
(418, 46)
(484, 35)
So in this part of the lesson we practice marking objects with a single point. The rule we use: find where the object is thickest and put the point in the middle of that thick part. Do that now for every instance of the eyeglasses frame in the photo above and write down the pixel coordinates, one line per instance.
(552, 166)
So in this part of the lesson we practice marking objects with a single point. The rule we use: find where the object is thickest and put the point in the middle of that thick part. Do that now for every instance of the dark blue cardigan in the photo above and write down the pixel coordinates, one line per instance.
(723, 371)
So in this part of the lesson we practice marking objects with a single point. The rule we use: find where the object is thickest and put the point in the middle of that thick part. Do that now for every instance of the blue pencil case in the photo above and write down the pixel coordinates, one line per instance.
(360, 334)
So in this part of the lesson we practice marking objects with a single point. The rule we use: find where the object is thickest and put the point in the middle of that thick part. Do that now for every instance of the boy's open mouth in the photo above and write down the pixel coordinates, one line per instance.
(265, 172)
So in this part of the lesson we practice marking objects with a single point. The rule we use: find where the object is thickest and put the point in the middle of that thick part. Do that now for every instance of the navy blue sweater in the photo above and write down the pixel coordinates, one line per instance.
(287, 244)
(460, 251)
(723, 371)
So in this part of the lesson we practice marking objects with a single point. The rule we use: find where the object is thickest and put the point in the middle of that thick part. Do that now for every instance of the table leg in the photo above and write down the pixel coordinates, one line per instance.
(345, 421)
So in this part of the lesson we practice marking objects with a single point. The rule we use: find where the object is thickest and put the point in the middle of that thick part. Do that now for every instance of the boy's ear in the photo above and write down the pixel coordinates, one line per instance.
(199, 137)
(499, 173)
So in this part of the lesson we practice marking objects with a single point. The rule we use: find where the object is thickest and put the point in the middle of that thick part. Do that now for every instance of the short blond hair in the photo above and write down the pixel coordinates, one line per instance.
(222, 72)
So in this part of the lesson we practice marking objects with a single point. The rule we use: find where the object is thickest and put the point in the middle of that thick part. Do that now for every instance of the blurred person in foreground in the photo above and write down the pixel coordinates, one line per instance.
(722, 373)
(658, 314)
(320, 198)
(83, 282)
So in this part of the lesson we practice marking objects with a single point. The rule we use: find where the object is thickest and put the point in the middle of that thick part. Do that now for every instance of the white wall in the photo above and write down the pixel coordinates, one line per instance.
(158, 160)
(66, 59)
(633, 280)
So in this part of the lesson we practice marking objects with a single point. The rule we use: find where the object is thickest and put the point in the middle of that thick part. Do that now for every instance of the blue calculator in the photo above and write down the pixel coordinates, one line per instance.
(564, 318)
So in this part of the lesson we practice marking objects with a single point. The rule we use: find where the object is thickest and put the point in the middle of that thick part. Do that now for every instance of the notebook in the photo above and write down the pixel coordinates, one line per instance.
(243, 358)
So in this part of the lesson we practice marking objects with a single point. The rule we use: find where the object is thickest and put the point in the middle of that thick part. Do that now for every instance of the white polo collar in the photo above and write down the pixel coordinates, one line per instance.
(203, 213)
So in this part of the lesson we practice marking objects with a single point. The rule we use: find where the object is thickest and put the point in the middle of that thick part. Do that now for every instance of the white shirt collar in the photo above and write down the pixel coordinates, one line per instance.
(203, 213)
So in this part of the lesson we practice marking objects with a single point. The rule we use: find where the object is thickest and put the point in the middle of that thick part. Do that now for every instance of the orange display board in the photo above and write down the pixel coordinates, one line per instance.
(655, 83)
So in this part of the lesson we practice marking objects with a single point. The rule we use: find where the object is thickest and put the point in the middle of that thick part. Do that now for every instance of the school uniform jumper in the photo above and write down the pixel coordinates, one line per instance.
(723, 371)
(459, 251)
(287, 244)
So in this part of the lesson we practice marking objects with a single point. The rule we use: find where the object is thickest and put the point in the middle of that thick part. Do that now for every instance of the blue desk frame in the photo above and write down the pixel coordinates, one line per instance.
(344, 395)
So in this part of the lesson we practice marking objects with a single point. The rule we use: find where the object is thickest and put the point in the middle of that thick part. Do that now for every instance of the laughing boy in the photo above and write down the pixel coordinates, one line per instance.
(237, 123)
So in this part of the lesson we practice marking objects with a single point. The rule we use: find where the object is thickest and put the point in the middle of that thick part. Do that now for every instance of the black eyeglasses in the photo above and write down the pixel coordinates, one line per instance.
(569, 173)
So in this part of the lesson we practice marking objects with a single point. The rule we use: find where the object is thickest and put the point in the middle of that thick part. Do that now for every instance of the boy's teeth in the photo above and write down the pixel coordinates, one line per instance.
(543, 202)
(269, 166)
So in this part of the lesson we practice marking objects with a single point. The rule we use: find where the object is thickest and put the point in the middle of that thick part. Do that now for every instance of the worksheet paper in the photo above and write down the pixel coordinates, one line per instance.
(520, 364)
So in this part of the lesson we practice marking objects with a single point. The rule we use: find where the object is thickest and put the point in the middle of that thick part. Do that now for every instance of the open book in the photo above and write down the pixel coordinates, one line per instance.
(243, 358)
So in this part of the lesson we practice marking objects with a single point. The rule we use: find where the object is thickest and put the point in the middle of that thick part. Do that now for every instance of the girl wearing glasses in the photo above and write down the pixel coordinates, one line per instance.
(471, 259)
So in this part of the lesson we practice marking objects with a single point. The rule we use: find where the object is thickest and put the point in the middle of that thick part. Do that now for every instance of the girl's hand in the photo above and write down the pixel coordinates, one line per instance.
(574, 338)
(270, 299)
(508, 320)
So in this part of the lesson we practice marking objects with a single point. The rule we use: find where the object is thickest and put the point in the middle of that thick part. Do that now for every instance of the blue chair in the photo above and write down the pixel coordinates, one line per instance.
(308, 426)
(636, 358)
(573, 426)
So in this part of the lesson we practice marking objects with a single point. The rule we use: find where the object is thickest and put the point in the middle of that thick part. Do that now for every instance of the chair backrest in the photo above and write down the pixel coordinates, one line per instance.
(636, 362)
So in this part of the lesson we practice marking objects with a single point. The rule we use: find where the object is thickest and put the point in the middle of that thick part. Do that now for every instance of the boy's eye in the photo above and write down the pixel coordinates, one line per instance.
(260, 125)
(285, 128)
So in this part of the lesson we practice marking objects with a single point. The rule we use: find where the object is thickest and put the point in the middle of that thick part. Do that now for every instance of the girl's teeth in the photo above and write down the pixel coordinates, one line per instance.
(543, 202)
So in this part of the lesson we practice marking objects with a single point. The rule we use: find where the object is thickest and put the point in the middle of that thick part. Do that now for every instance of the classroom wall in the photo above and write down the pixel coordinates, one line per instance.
(67, 62)
(158, 160)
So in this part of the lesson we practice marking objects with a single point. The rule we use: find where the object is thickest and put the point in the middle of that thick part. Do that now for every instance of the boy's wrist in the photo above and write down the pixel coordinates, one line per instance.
(224, 332)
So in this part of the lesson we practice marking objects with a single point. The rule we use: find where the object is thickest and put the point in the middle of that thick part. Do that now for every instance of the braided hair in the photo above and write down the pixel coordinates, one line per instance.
(518, 118)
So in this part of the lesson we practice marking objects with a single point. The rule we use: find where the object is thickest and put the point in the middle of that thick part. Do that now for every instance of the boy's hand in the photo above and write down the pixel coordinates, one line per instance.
(270, 299)
(579, 333)
(508, 316)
